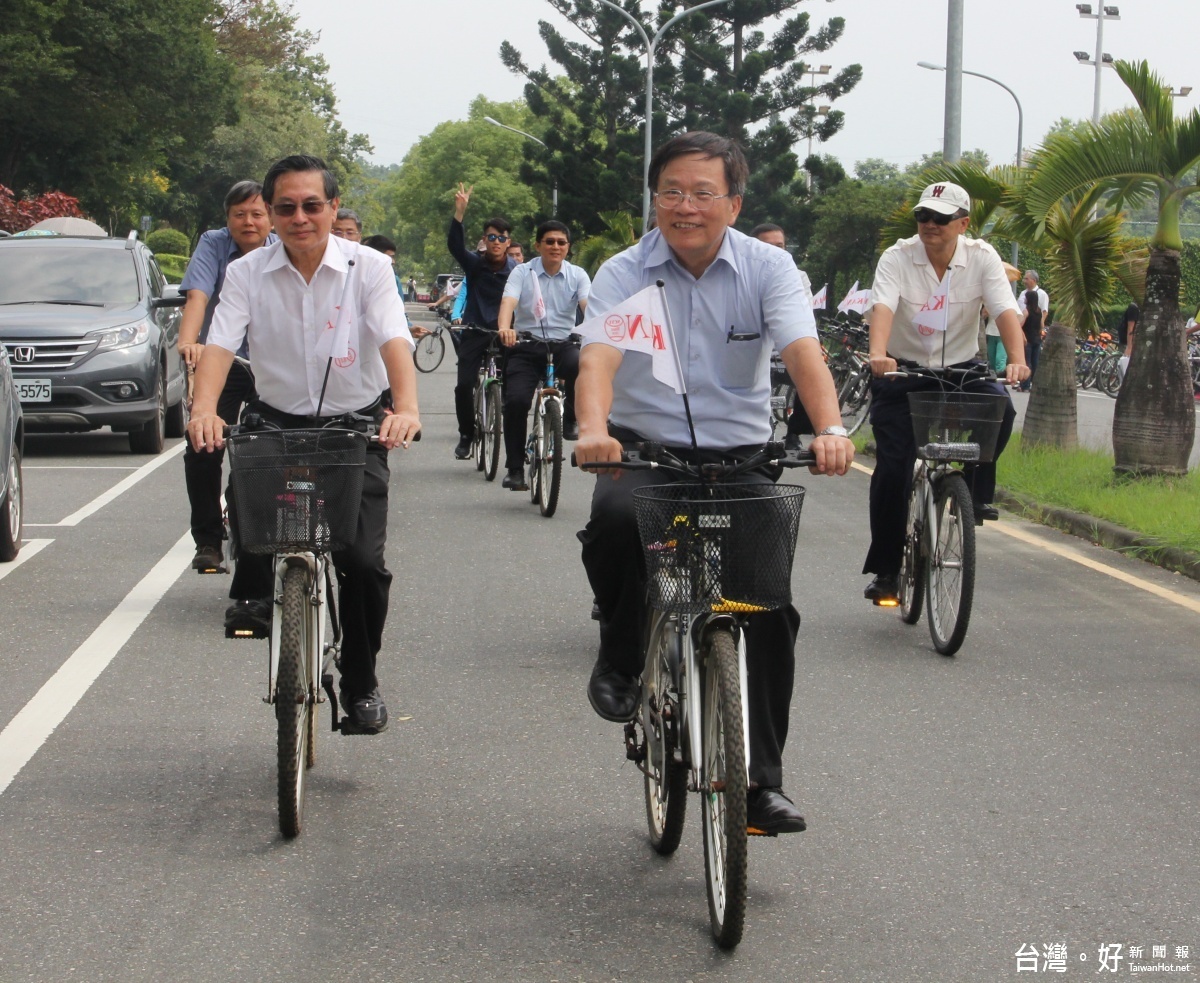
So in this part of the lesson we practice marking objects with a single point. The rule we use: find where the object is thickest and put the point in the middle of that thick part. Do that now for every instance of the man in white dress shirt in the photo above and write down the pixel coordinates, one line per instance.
(283, 298)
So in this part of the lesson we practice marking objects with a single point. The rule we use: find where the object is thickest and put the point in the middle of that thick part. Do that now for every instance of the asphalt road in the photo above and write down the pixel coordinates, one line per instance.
(1042, 787)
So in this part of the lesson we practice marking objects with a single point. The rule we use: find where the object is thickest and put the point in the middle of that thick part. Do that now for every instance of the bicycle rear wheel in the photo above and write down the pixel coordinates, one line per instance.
(550, 455)
(855, 398)
(913, 560)
(665, 778)
(723, 789)
(430, 351)
(491, 430)
(951, 566)
(293, 701)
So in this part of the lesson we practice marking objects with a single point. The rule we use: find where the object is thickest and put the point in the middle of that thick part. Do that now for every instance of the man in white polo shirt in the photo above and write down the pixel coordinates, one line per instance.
(908, 275)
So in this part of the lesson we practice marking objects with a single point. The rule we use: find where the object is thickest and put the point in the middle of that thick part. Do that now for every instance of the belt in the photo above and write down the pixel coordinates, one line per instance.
(293, 421)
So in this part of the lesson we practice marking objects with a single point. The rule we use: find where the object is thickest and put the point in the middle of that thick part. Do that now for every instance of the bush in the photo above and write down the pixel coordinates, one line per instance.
(172, 265)
(169, 241)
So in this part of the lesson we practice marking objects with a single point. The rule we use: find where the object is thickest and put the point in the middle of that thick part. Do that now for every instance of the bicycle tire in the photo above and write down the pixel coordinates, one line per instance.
(478, 399)
(950, 567)
(550, 457)
(912, 561)
(491, 430)
(1110, 382)
(665, 779)
(430, 351)
(723, 789)
(293, 702)
(781, 401)
(855, 399)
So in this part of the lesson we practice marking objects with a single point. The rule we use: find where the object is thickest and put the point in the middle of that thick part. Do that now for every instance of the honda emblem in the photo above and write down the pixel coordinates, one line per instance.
(23, 354)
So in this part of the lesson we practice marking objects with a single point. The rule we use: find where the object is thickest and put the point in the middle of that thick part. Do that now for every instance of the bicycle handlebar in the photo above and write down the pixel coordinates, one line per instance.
(652, 455)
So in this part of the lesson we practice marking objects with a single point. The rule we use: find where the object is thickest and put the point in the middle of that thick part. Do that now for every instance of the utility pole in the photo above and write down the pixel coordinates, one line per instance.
(952, 132)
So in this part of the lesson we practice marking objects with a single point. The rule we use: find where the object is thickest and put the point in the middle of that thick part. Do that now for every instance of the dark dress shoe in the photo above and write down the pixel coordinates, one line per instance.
(612, 694)
(883, 589)
(769, 811)
(463, 450)
(248, 619)
(989, 512)
(514, 480)
(570, 431)
(791, 442)
(367, 713)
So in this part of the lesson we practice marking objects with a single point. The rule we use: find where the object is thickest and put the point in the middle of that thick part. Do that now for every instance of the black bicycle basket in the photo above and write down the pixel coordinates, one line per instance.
(725, 547)
(297, 491)
(956, 426)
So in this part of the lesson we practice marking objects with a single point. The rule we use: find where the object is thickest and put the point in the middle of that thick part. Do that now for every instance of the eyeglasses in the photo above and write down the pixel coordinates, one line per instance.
(495, 237)
(923, 215)
(701, 200)
(286, 209)
(556, 242)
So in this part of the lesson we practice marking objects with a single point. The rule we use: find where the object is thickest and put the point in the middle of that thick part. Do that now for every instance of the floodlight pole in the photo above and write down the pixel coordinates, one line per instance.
(952, 125)
(530, 136)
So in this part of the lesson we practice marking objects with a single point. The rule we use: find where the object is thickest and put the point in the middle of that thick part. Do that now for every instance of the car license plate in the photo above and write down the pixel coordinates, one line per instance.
(33, 390)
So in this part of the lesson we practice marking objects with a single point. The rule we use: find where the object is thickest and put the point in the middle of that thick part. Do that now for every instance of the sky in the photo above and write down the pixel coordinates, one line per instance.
(401, 68)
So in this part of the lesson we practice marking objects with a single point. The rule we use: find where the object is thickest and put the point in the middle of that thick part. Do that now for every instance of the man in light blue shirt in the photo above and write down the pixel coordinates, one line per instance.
(562, 289)
(732, 299)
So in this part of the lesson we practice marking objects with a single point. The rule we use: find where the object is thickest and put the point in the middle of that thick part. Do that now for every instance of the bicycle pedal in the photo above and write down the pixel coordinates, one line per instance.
(347, 726)
(246, 633)
(755, 831)
(217, 569)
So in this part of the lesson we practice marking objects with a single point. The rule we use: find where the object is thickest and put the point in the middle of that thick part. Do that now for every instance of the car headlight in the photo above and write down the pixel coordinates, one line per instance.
(126, 336)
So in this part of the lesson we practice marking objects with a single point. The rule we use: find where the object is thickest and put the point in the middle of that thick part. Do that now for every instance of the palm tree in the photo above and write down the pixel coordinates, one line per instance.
(619, 234)
(1135, 155)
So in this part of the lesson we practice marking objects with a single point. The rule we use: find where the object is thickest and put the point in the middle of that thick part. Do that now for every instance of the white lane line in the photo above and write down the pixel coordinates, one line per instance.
(78, 467)
(97, 503)
(1016, 532)
(39, 718)
(29, 549)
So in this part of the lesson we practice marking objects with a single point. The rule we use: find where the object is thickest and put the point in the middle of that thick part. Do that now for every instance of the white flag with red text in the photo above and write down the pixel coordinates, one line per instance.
(855, 300)
(638, 324)
(933, 317)
(818, 301)
(334, 341)
(539, 302)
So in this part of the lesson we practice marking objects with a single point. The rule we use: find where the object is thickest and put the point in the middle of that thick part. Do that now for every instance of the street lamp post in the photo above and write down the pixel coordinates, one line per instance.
(1103, 13)
(651, 46)
(530, 136)
(812, 74)
(1020, 117)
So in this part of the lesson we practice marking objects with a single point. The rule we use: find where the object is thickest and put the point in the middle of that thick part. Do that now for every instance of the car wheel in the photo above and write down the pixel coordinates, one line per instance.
(11, 512)
(151, 438)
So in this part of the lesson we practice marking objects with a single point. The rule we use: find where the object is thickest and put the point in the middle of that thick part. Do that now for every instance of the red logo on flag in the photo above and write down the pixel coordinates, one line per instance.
(620, 327)
(345, 363)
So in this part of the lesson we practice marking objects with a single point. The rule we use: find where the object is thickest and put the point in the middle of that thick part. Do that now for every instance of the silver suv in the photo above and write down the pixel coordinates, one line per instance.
(90, 326)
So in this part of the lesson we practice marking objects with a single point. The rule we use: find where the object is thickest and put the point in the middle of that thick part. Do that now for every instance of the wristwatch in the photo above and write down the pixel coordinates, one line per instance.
(834, 432)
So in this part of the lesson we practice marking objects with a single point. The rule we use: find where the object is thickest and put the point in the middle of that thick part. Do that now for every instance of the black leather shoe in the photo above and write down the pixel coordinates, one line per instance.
(989, 512)
(367, 713)
(463, 450)
(514, 480)
(791, 442)
(613, 695)
(884, 589)
(570, 431)
(248, 619)
(208, 559)
(769, 812)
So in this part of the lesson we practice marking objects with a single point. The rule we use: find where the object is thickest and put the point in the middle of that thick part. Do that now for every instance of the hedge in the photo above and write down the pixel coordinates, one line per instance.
(170, 241)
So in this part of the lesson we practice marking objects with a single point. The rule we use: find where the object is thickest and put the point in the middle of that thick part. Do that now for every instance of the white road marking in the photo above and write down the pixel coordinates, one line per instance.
(39, 718)
(29, 549)
(97, 503)
(78, 467)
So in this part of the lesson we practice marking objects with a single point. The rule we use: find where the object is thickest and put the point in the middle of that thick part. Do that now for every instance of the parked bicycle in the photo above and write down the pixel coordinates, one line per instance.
(951, 428)
(544, 448)
(715, 552)
(488, 400)
(849, 364)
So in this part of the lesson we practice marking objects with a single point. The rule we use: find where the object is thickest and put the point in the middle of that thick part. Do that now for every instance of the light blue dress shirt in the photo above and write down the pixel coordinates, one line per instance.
(561, 292)
(749, 302)
(206, 271)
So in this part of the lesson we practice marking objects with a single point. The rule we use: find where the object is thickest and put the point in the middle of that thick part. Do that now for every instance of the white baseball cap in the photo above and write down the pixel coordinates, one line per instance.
(945, 198)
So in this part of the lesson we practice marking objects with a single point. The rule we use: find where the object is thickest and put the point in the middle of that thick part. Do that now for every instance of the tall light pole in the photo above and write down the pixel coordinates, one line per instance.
(651, 46)
(530, 136)
(812, 74)
(1020, 117)
(952, 125)
(1103, 12)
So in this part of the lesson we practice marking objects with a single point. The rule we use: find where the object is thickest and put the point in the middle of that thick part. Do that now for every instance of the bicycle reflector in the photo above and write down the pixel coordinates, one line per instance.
(953, 451)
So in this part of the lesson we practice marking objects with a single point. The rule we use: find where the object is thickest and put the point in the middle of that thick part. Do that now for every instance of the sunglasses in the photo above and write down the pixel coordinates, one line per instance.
(556, 242)
(928, 215)
(495, 237)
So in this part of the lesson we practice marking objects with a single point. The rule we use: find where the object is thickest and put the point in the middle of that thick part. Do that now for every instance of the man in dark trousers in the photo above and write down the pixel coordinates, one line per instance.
(486, 275)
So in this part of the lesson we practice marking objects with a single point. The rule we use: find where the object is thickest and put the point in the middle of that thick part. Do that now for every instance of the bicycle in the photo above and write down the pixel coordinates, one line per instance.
(298, 495)
(851, 370)
(951, 428)
(488, 400)
(431, 347)
(715, 552)
(544, 448)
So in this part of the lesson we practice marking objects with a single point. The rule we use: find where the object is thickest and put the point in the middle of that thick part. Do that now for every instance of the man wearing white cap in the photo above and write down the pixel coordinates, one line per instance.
(910, 275)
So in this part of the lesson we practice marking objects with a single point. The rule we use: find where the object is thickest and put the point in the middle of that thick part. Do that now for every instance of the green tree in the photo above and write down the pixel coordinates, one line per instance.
(848, 221)
(1143, 152)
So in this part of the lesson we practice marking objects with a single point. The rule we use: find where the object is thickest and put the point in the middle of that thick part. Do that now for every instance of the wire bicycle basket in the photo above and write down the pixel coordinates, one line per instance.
(956, 426)
(718, 547)
(297, 491)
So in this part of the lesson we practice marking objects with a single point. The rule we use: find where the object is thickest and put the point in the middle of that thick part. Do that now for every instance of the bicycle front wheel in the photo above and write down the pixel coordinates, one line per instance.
(855, 399)
(480, 400)
(912, 561)
(550, 455)
(430, 351)
(665, 778)
(723, 789)
(951, 565)
(293, 701)
(491, 430)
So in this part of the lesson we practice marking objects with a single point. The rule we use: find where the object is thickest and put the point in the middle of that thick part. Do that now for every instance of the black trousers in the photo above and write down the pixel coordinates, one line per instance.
(471, 351)
(364, 581)
(895, 455)
(612, 557)
(202, 470)
(523, 370)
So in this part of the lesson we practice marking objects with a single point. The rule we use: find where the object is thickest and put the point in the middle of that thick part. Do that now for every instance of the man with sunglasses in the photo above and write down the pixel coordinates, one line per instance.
(486, 276)
(283, 298)
(908, 276)
(563, 289)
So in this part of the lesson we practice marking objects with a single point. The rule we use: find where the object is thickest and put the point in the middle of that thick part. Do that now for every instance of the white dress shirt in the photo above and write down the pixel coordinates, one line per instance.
(266, 301)
(905, 280)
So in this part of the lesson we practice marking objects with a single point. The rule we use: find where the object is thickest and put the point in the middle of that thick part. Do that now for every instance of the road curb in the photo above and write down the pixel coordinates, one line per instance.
(1098, 531)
